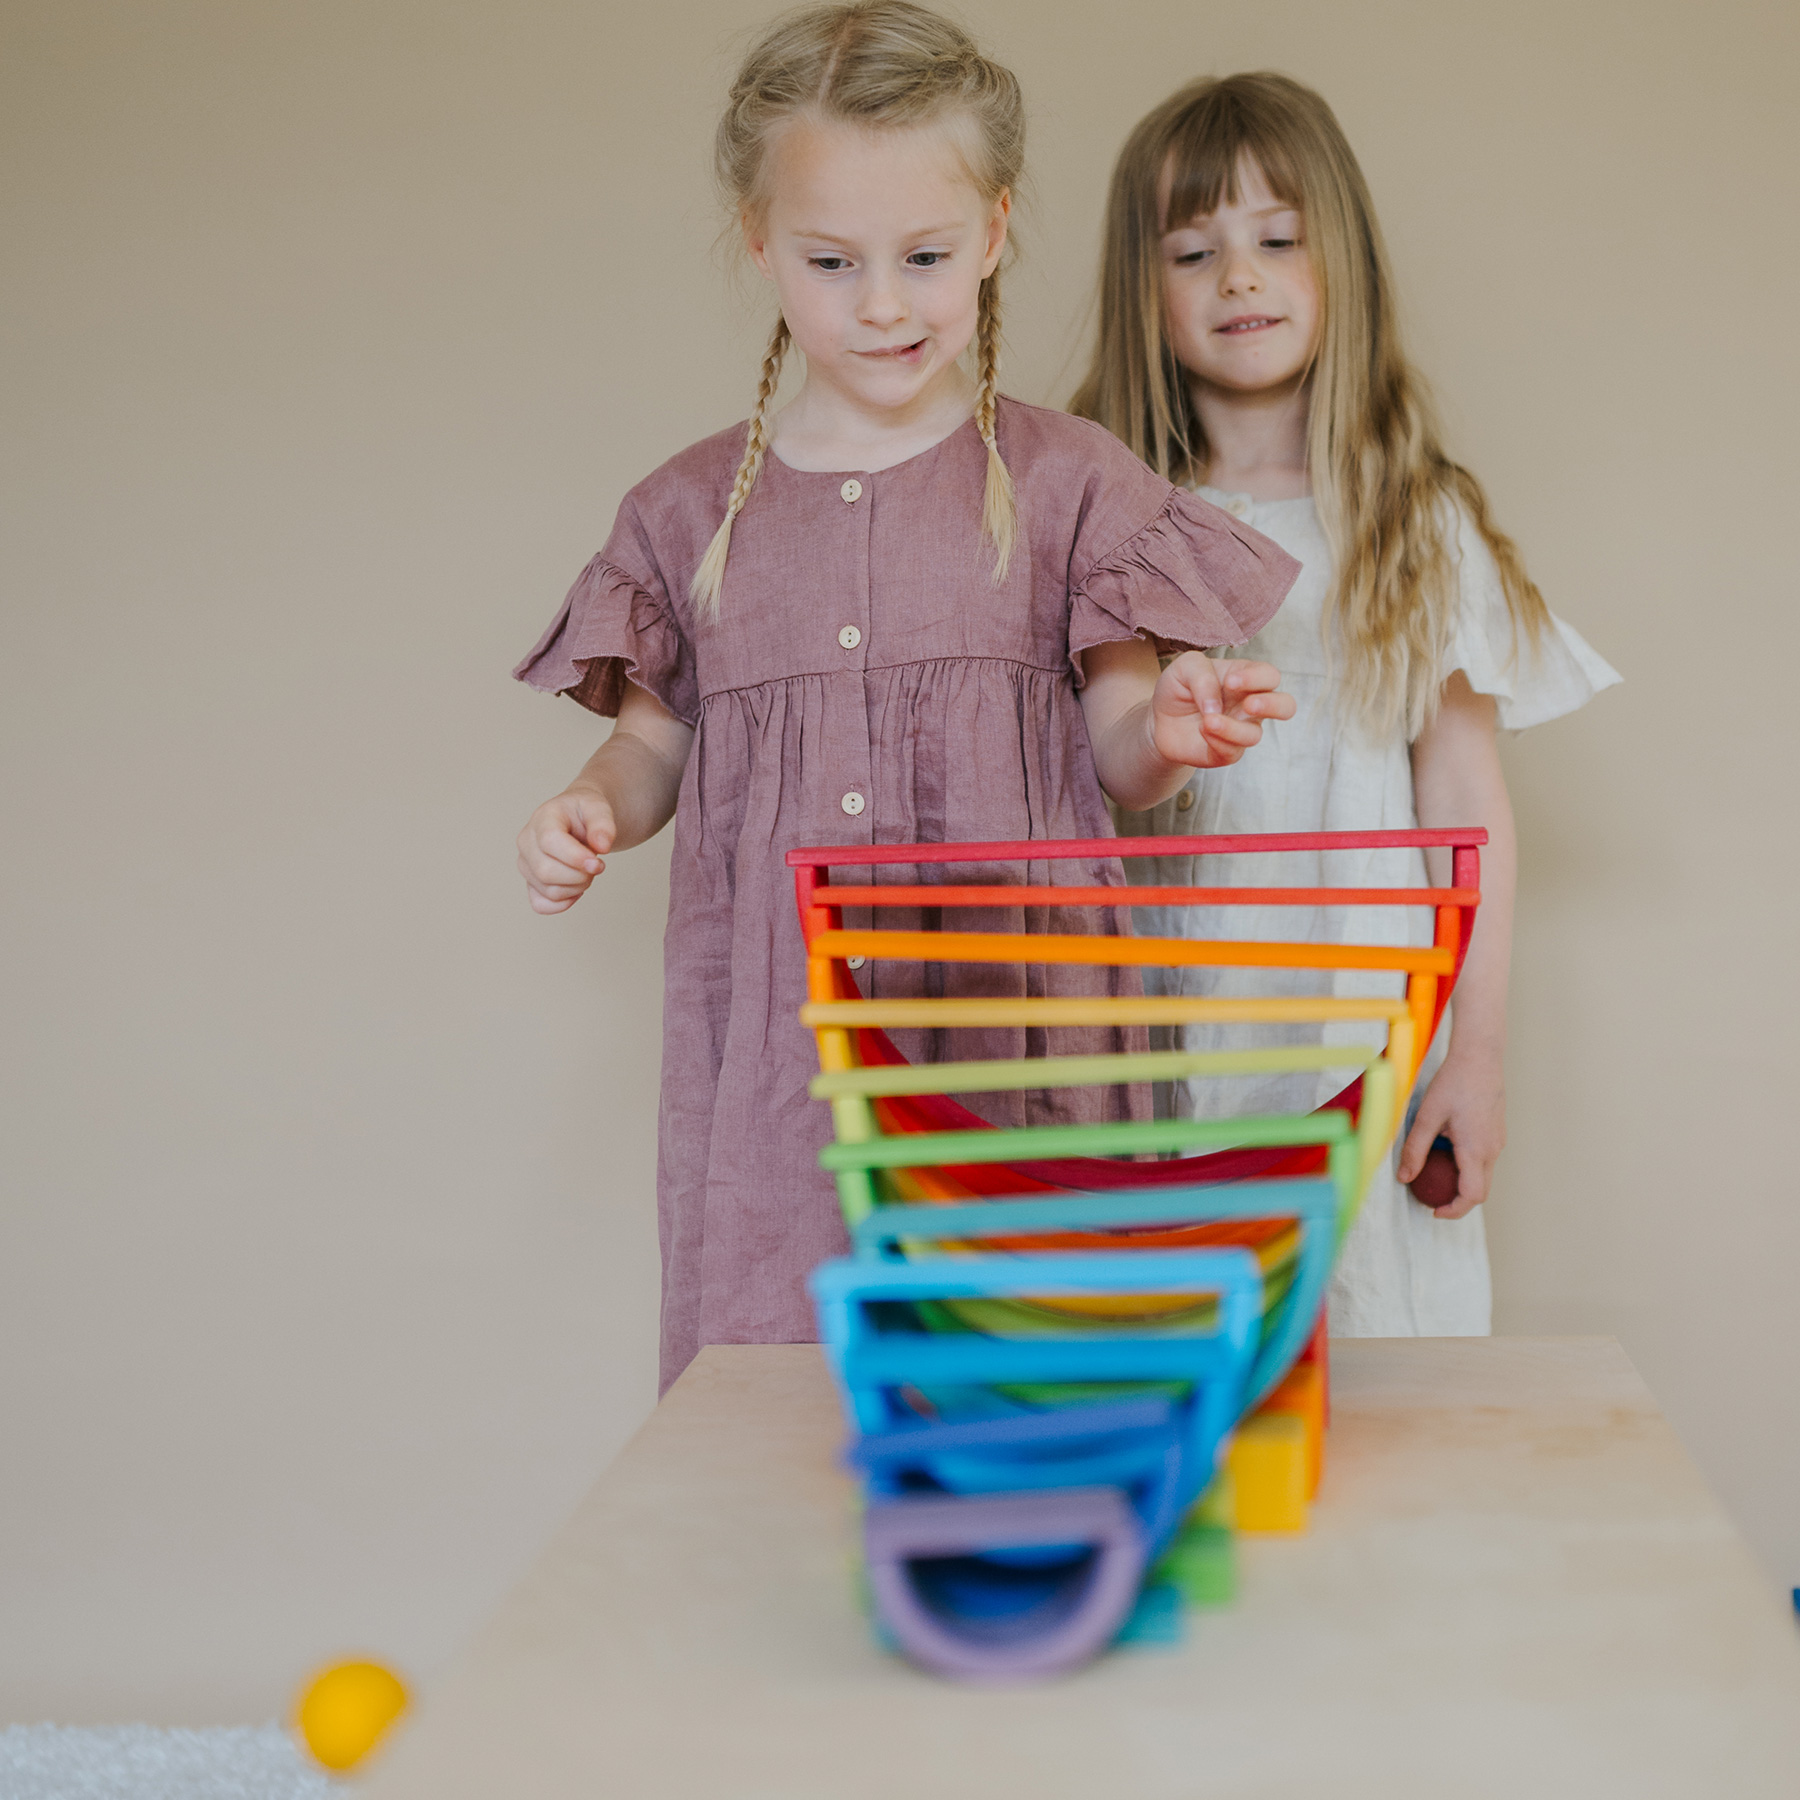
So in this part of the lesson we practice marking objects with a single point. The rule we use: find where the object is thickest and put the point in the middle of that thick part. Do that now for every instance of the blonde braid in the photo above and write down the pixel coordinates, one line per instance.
(999, 510)
(709, 579)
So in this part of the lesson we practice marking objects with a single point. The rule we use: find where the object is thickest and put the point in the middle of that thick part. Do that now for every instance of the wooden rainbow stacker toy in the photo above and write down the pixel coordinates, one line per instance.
(1075, 1356)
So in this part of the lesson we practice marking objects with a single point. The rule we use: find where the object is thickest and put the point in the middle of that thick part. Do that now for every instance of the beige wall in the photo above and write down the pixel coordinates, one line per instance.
(327, 1254)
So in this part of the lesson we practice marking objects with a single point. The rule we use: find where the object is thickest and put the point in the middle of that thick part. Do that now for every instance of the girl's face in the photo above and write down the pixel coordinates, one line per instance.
(877, 243)
(1241, 298)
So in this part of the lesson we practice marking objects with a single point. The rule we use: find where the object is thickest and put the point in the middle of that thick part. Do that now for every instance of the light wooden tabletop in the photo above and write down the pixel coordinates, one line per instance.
(1515, 1585)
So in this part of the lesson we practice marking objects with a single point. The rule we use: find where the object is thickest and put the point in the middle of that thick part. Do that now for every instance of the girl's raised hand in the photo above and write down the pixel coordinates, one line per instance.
(562, 848)
(1207, 712)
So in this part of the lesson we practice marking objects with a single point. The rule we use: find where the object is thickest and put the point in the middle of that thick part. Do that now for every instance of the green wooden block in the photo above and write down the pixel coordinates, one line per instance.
(1202, 1567)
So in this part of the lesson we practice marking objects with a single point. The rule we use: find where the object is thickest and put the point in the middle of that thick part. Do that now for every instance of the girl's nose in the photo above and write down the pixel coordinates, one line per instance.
(883, 305)
(1239, 273)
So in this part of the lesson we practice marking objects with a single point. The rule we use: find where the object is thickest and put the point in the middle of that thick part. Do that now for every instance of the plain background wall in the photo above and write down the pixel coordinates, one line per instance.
(336, 330)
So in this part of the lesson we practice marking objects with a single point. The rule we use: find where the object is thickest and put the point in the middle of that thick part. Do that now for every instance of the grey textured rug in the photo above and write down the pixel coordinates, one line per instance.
(143, 1762)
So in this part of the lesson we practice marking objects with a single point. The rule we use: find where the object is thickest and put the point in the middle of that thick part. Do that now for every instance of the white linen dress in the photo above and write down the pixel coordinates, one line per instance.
(1404, 1272)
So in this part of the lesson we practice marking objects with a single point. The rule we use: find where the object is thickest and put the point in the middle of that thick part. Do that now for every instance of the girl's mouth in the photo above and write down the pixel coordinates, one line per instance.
(905, 353)
(1243, 327)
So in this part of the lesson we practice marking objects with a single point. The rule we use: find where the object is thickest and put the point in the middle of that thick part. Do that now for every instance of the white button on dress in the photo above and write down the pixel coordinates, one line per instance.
(851, 490)
(1184, 799)
(853, 804)
(849, 637)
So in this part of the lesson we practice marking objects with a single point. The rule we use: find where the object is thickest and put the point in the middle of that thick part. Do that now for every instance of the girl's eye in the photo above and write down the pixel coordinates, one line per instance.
(829, 265)
(1279, 243)
(1190, 258)
(927, 259)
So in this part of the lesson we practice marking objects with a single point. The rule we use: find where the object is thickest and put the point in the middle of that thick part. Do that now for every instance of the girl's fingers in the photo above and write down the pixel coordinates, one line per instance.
(552, 889)
(542, 868)
(1197, 682)
(1412, 1160)
(1269, 706)
(1464, 1203)
(544, 871)
(1250, 677)
(540, 843)
(1260, 706)
(1425, 1132)
(1471, 1189)
(568, 850)
(1251, 691)
(1474, 1175)
(1212, 741)
(1223, 728)
(598, 835)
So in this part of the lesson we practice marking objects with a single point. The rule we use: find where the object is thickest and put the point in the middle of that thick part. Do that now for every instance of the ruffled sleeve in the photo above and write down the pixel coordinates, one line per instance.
(613, 629)
(1192, 578)
(1531, 684)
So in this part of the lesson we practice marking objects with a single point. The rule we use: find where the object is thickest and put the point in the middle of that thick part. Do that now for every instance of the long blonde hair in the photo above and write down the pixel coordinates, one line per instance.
(1387, 495)
(881, 65)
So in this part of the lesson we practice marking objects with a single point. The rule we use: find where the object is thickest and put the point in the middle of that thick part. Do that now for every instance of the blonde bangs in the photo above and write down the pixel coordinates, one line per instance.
(1207, 150)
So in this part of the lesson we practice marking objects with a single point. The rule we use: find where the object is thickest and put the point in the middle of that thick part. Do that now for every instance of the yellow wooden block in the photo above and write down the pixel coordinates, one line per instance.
(1303, 1395)
(1268, 1463)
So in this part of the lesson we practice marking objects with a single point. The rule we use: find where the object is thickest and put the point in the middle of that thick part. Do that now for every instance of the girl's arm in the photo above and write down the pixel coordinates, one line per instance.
(1457, 781)
(1150, 731)
(625, 793)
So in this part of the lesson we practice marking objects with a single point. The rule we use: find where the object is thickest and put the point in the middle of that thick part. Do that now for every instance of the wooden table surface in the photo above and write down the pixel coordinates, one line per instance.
(1515, 1585)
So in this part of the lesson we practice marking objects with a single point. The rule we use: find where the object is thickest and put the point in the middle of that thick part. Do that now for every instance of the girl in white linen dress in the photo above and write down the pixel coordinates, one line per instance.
(1247, 346)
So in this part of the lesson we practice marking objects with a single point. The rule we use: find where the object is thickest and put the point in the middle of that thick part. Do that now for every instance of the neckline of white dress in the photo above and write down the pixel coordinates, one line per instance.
(1224, 496)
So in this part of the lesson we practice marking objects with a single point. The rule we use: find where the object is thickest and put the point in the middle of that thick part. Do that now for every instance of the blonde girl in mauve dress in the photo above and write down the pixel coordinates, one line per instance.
(902, 609)
(1248, 350)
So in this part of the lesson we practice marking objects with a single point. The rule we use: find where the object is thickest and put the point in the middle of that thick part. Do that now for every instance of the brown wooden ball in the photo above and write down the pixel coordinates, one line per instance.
(1435, 1185)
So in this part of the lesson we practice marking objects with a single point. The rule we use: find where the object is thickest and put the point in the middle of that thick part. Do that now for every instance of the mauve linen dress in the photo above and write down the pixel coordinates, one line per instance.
(868, 683)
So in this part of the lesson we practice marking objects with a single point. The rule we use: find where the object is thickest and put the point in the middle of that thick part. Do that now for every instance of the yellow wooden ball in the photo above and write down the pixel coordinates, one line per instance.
(344, 1711)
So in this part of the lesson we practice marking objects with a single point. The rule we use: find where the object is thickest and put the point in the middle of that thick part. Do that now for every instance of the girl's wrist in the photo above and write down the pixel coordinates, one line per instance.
(1147, 748)
(1159, 776)
(586, 787)
(1157, 766)
(1481, 1054)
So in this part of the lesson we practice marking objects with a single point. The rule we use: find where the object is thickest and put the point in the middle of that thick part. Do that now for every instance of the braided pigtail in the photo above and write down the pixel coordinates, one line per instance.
(709, 579)
(999, 510)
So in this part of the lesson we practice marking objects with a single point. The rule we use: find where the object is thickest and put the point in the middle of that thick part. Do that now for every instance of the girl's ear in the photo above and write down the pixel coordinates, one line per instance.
(756, 243)
(996, 233)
